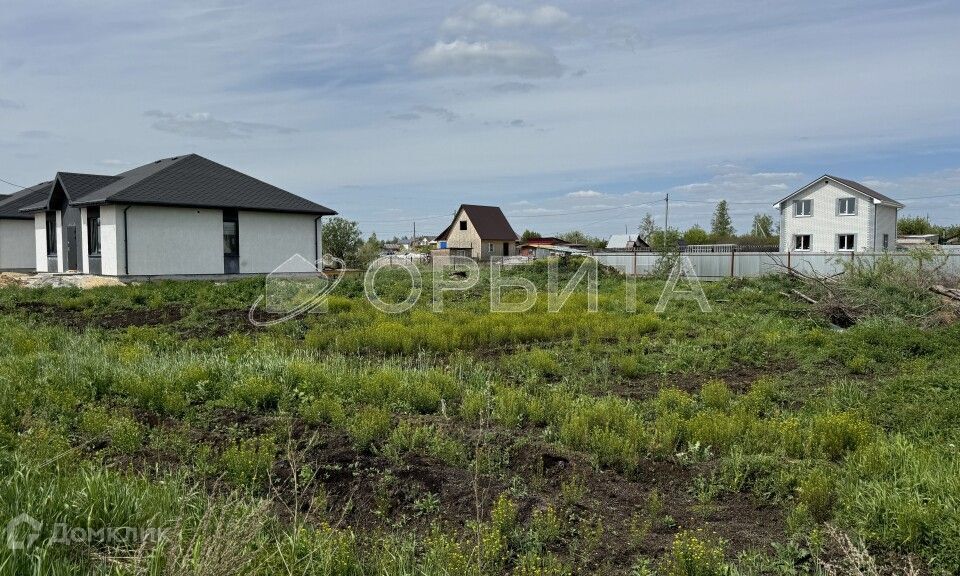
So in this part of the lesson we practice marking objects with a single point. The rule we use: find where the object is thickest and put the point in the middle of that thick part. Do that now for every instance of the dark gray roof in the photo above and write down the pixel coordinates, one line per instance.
(11, 205)
(193, 180)
(863, 189)
(189, 180)
(79, 185)
(849, 184)
(489, 221)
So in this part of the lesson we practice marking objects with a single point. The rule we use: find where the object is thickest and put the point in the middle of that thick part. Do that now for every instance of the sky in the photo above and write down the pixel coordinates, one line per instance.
(567, 114)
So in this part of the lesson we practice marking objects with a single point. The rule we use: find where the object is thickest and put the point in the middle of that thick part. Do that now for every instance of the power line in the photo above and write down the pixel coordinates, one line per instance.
(12, 184)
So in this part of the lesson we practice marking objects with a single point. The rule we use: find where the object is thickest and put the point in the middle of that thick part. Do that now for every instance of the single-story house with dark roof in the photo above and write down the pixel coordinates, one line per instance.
(17, 240)
(480, 232)
(185, 215)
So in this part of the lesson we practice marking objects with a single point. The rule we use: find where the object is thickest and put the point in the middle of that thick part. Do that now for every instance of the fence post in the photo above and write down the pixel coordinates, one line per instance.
(634, 261)
(789, 266)
(733, 251)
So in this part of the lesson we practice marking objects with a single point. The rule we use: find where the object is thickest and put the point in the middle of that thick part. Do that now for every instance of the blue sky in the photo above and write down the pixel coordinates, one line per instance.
(567, 114)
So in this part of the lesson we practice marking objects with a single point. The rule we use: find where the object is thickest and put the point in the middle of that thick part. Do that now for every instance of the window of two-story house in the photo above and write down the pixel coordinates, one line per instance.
(847, 206)
(846, 242)
(801, 242)
(803, 207)
(463, 224)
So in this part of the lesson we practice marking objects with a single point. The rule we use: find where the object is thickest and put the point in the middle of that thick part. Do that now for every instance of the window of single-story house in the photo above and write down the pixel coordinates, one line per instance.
(51, 233)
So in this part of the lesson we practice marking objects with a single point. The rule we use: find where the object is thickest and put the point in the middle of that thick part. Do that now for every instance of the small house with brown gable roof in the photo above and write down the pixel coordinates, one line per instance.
(480, 232)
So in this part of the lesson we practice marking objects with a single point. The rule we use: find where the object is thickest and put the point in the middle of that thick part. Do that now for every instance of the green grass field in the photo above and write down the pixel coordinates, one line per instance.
(756, 439)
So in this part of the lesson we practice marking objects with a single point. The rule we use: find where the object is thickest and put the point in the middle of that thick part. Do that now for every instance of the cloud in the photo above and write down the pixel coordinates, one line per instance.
(203, 125)
(585, 194)
(112, 162)
(405, 116)
(438, 111)
(514, 87)
(36, 134)
(10, 104)
(491, 16)
(462, 58)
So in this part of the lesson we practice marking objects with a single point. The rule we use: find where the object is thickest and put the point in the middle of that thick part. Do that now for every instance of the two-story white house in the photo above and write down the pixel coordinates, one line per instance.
(833, 214)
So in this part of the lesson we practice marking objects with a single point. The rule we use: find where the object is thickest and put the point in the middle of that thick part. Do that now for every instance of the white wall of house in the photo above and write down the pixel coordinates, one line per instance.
(886, 225)
(825, 222)
(167, 241)
(40, 241)
(111, 239)
(17, 245)
(269, 239)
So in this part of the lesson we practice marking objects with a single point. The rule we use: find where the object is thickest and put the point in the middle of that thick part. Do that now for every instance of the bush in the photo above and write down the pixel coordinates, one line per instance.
(410, 438)
(327, 409)
(833, 435)
(817, 493)
(248, 462)
(255, 393)
(694, 554)
(368, 425)
(716, 395)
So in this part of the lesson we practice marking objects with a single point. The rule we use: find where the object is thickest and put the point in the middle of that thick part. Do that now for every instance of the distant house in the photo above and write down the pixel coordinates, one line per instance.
(914, 240)
(17, 239)
(833, 214)
(177, 216)
(627, 242)
(530, 247)
(480, 232)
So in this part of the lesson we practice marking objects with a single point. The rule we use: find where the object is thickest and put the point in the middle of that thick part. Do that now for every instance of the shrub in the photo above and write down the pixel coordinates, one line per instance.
(832, 435)
(124, 433)
(817, 493)
(673, 401)
(368, 425)
(410, 438)
(694, 554)
(327, 408)
(255, 393)
(248, 462)
(716, 395)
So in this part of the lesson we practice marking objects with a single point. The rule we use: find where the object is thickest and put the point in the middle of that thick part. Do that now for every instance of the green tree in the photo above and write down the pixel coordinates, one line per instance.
(915, 225)
(696, 235)
(529, 235)
(665, 242)
(341, 238)
(647, 227)
(762, 225)
(720, 225)
(578, 237)
(368, 251)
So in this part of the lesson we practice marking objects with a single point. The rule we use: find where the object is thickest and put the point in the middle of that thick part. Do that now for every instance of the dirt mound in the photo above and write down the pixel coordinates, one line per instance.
(83, 281)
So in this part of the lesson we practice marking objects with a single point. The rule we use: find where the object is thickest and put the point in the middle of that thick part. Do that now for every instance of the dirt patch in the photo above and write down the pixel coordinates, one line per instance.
(183, 321)
(370, 493)
(738, 379)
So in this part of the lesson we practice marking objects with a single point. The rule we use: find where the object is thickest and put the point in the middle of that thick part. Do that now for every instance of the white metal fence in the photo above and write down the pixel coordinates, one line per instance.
(751, 264)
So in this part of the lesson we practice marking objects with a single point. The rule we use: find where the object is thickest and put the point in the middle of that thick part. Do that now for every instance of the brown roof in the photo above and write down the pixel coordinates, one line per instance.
(489, 221)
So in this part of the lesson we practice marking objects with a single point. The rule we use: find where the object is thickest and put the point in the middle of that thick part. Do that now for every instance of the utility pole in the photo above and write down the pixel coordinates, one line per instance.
(666, 221)
(413, 241)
